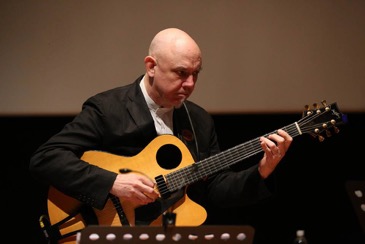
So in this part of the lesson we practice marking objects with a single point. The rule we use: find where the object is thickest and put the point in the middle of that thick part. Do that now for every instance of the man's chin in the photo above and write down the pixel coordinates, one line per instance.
(180, 103)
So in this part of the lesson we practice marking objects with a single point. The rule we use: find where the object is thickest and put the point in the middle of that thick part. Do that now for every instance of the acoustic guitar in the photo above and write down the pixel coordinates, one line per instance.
(67, 216)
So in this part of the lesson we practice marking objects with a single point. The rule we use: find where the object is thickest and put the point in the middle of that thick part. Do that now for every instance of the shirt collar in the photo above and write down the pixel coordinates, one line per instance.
(150, 103)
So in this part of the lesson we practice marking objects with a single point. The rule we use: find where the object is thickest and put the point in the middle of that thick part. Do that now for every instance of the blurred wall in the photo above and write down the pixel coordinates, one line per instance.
(259, 56)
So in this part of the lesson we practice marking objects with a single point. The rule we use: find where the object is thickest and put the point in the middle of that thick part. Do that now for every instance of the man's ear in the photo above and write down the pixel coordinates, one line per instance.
(150, 64)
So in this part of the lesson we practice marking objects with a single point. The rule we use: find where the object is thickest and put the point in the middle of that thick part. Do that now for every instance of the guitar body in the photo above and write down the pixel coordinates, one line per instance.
(167, 161)
(147, 162)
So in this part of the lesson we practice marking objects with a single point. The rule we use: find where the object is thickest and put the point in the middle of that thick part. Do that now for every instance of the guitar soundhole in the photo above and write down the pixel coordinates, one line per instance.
(168, 156)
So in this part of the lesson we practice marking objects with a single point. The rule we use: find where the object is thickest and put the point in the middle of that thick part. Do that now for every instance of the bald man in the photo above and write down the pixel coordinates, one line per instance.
(137, 151)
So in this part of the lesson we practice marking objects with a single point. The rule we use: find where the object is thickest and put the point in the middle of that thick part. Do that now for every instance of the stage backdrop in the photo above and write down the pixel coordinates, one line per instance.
(259, 56)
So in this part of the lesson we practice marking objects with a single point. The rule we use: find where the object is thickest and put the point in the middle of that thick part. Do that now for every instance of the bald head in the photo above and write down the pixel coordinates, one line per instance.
(172, 66)
(173, 41)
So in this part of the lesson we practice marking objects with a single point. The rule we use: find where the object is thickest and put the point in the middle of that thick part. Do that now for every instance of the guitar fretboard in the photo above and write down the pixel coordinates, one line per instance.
(206, 167)
(313, 123)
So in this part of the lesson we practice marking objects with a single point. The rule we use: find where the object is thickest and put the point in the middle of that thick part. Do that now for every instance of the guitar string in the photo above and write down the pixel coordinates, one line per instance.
(177, 179)
(201, 169)
(208, 166)
(198, 170)
(188, 175)
(230, 156)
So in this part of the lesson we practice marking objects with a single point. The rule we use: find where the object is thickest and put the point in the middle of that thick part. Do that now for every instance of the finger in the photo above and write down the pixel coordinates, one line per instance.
(279, 154)
(287, 138)
(282, 142)
(148, 192)
(143, 198)
(269, 142)
(147, 187)
(152, 194)
(277, 139)
(268, 146)
(147, 181)
(275, 147)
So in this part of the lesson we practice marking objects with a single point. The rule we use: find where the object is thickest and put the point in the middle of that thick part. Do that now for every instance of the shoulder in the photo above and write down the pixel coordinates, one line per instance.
(118, 93)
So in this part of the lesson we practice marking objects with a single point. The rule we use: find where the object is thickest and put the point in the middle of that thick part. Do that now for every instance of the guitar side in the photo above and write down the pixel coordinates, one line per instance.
(189, 213)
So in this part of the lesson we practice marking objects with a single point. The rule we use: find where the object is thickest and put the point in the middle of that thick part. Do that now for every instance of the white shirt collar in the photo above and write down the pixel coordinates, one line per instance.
(151, 104)
(161, 116)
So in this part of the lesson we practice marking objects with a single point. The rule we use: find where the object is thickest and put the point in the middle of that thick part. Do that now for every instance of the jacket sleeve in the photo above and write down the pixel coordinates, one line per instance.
(58, 161)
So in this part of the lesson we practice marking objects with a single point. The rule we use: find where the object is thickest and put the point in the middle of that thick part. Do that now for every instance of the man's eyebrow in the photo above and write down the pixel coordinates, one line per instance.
(185, 68)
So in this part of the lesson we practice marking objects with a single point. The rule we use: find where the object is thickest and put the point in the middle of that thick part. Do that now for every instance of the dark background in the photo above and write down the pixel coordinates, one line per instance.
(311, 179)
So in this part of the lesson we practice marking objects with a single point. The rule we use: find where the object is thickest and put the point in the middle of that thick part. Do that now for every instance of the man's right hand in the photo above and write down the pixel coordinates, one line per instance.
(135, 188)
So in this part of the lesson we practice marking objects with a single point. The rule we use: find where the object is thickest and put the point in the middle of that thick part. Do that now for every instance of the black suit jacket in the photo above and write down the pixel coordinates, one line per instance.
(118, 121)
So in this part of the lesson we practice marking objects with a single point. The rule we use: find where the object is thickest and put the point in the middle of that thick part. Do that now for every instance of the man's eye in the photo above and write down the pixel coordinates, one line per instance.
(182, 73)
(185, 74)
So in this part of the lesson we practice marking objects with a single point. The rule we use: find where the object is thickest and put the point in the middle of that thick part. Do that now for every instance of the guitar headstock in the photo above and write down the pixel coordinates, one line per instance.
(321, 119)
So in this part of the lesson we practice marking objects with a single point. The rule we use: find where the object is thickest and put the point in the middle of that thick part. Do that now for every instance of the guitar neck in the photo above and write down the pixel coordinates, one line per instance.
(313, 122)
(206, 167)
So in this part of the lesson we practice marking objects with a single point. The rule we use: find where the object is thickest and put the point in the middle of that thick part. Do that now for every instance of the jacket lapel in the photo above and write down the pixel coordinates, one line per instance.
(139, 112)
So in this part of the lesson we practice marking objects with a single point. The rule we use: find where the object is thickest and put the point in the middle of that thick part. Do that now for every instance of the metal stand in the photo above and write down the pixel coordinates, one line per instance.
(168, 219)
(356, 191)
(166, 234)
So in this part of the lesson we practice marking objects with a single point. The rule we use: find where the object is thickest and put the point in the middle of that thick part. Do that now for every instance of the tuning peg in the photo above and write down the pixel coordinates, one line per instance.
(328, 133)
(335, 128)
(306, 107)
(324, 103)
(320, 137)
(316, 106)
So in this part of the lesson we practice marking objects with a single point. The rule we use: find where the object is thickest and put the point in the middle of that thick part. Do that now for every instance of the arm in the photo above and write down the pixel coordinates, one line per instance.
(57, 162)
